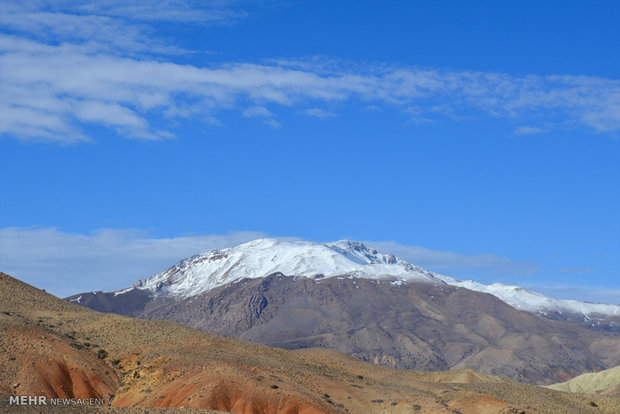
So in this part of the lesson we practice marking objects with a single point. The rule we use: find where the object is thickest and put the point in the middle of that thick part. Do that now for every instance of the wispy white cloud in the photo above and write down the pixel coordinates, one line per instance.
(576, 270)
(257, 111)
(67, 263)
(319, 113)
(65, 65)
(111, 26)
(273, 123)
(125, 90)
(453, 263)
(528, 130)
(596, 294)
(177, 11)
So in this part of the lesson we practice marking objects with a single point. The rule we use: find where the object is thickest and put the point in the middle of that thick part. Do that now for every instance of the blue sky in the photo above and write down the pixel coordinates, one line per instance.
(481, 141)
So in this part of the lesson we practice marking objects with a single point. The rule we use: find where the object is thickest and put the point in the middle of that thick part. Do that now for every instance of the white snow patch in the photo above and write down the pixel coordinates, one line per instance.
(122, 291)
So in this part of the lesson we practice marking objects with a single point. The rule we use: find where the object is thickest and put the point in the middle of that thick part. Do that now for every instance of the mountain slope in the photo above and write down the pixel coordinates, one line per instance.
(607, 381)
(162, 364)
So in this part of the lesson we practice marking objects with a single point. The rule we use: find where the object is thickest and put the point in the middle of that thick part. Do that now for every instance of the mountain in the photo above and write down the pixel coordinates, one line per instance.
(54, 348)
(603, 382)
(374, 306)
(262, 257)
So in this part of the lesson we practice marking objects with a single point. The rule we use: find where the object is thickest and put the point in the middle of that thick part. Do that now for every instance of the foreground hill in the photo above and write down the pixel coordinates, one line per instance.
(54, 348)
(604, 382)
(376, 307)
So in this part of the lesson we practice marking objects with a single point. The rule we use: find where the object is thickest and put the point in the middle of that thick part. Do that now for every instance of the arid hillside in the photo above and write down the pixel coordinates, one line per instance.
(604, 382)
(54, 348)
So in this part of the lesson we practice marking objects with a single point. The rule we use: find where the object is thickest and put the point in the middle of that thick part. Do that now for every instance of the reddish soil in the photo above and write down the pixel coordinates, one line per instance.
(41, 362)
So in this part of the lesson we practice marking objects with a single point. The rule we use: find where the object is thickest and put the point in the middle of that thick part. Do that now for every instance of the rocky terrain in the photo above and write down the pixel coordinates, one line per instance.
(51, 347)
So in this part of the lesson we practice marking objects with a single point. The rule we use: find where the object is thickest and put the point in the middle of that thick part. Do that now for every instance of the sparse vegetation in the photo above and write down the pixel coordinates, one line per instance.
(102, 354)
(274, 386)
(115, 361)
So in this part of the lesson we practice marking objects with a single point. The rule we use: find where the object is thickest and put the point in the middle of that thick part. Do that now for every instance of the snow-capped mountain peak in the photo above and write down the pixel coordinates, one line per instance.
(262, 257)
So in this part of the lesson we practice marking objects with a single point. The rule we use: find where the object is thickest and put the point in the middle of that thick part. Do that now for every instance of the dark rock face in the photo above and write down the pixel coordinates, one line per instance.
(415, 325)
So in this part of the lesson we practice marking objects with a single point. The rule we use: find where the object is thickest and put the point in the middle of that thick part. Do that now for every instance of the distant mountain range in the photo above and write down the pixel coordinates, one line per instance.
(349, 297)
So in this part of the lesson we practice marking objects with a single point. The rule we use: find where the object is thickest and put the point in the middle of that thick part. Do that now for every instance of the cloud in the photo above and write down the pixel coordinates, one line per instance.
(67, 263)
(576, 270)
(453, 263)
(112, 26)
(257, 111)
(52, 104)
(105, 64)
(194, 11)
(528, 130)
(201, 12)
(319, 113)
(273, 123)
(594, 294)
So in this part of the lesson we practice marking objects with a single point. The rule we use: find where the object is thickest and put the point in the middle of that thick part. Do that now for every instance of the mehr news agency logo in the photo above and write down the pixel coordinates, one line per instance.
(43, 400)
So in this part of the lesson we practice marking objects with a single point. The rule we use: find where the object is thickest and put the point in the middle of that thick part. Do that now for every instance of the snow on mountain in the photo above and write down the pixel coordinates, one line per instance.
(527, 300)
(262, 257)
